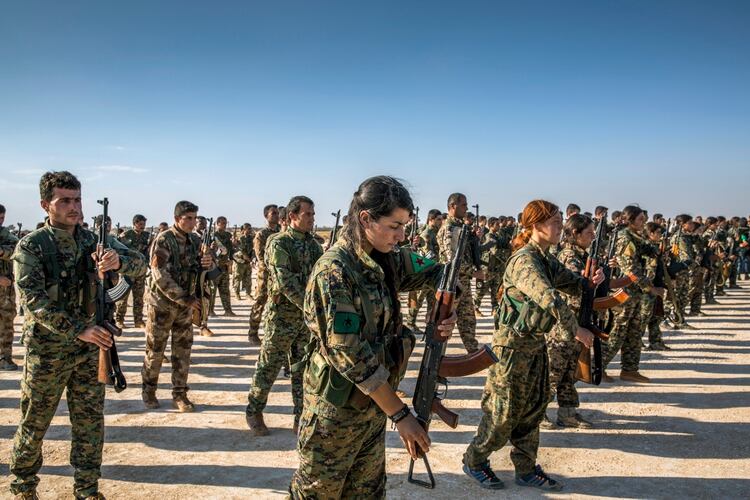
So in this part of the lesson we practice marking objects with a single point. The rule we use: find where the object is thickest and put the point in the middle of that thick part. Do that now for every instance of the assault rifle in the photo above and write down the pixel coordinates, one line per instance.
(335, 231)
(18, 233)
(436, 366)
(414, 232)
(590, 367)
(474, 242)
(663, 279)
(200, 318)
(603, 301)
(106, 296)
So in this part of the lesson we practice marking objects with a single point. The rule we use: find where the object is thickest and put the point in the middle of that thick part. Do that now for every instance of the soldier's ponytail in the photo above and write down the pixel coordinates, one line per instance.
(535, 212)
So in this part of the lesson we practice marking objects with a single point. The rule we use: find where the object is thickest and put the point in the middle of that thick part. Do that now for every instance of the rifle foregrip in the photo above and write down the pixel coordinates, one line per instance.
(467, 364)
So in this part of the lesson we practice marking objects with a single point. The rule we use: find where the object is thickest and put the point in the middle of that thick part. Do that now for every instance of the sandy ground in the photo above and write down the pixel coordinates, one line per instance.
(684, 435)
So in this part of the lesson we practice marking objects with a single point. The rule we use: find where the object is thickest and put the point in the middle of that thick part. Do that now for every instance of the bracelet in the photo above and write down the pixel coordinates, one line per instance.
(400, 415)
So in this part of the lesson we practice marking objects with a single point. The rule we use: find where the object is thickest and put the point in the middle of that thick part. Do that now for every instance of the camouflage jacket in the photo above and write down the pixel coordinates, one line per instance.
(497, 251)
(535, 278)
(259, 245)
(59, 309)
(137, 242)
(244, 252)
(175, 265)
(349, 310)
(225, 238)
(8, 242)
(290, 256)
(631, 251)
(430, 247)
(448, 240)
(686, 251)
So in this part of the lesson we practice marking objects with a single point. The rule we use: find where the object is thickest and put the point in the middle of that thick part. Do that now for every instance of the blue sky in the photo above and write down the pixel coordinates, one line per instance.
(234, 105)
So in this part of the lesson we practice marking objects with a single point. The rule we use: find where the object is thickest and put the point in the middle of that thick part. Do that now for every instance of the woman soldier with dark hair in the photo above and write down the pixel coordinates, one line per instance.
(517, 390)
(359, 350)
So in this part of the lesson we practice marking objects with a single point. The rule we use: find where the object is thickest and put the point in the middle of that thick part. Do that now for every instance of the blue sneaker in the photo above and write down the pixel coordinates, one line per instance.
(484, 476)
(539, 479)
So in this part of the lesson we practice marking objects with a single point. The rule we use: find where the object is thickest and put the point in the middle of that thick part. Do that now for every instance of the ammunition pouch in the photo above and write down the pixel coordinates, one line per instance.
(325, 381)
(523, 316)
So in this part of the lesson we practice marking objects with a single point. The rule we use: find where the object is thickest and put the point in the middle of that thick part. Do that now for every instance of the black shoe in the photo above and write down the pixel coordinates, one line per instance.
(539, 479)
(485, 476)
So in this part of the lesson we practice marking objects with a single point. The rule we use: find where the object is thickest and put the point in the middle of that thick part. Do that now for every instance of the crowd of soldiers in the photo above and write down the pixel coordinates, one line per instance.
(674, 267)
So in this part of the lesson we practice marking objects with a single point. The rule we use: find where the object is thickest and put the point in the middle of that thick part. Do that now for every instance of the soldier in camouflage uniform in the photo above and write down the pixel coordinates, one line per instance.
(225, 256)
(176, 261)
(431, 250)
(630, 249)
(650, 320)
(517, 390)
(52, 266)
(290, 256)
(495, 252)
(359, 353)
(136, 239)
(243, 262)
(8, 242)
(271, 213)
(447, 240)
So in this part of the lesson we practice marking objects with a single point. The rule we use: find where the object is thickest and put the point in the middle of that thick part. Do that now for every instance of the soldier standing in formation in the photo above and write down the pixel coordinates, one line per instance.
(290, 256)
(8, 242)
(429, 249)
(495, 254)
(136, 239)
(176, 260)
(271, 213)
(53, 267)
(225, 256)
(243, 262)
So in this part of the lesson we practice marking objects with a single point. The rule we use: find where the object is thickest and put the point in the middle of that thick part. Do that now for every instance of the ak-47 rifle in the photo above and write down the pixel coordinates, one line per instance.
(201, 286)
(335, 231)
(474, 242)
(18, 233)
(106, 296)
(590, 367)
(604, 301)
(436, 366)
(414, 232)
(663, 279)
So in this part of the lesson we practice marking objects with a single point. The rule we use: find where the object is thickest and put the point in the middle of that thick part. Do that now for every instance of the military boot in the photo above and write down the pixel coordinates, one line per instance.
(569, 417)
(633, 376)
(149, 399)
(7, 364)
(229, 313)
(256, 424)
(181, 403)
(606, 378)
(139, 323)
(27, 495)
(253, 338)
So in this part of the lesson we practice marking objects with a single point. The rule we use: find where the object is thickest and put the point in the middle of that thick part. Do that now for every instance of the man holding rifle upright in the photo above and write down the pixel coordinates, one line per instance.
(55, 268)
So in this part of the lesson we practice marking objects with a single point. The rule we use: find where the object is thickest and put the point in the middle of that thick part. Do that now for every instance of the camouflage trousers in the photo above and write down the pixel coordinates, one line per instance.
(7, 313)
(284, 339)
(625, 335)
(341, 456)
(243, 278)
(563, 361)
(416, 299)
(261, 297)
(489, 285)
(709, 283)
(513, 404)
(681, 287)
(695, 289)
(467, 322)
(649, 320)
(222, 286)
(163, 319)
(47, 372)
(138, 287)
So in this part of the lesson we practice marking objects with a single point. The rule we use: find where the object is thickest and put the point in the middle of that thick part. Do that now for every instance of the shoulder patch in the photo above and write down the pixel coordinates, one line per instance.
(346, 322)
(629, 249)
(419, 263)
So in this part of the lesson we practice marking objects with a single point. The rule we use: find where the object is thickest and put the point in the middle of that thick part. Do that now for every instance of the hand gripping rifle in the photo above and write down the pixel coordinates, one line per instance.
(335, 231)
(590, 367)
(106, 297)
(436, 366)
(605, 302)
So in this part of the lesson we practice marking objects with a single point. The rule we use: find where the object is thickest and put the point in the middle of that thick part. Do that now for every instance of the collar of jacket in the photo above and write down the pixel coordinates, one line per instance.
(369, 265)
(179, 233)
(297, 234)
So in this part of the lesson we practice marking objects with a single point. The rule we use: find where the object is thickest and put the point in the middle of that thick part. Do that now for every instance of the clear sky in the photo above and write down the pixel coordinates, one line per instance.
(234, 105)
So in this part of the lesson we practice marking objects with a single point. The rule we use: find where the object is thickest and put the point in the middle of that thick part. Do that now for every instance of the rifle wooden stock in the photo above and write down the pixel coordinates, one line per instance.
(583, 368)
(467, 364)
(623, 281)
(614, 300)
(105, 368)
(444, 413)
(586, 368)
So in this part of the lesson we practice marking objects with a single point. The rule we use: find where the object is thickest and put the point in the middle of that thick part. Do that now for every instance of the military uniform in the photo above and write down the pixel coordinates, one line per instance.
(7, 297)
(261, 286)
(630, 250)
(290, 256)
(562, 352)
(139, 243)
(467, 322)
(517, 391)
(431, 250)
(354, 319)
(225, 256)
(496, 247)
(650, 321)
(243, 268)
(53, 270)
(175, 265)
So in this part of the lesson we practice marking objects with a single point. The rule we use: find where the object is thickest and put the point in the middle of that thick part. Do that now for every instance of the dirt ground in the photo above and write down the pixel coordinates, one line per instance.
(685, 435)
